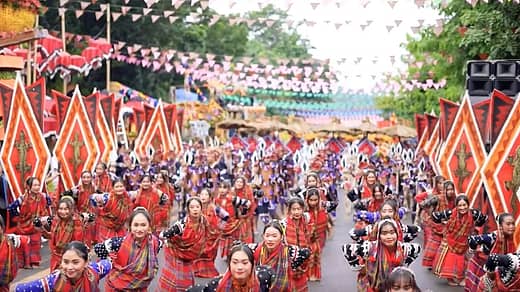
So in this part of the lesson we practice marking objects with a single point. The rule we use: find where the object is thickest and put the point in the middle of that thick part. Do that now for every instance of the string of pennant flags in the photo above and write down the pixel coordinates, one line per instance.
(154, 15)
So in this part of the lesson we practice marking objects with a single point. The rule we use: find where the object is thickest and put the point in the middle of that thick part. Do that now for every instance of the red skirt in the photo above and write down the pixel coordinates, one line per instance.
(104, 233)
(431, 248)
(55, 261)
(314, 264)
(29, 252)
(205, 268)
(225, 244)
(176, 276)
(23, 252)
(300, 284)
(474, 272)
(449, 265)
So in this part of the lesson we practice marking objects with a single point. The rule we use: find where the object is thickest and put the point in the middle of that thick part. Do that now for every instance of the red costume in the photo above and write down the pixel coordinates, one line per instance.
(112, 217)
(297, 233)
(8, 264)
(63, 232)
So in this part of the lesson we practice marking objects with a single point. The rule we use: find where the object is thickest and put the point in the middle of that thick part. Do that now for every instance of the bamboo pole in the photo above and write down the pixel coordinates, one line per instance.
(64, 47)
(35, 51)
(28, 69)
(108, 39)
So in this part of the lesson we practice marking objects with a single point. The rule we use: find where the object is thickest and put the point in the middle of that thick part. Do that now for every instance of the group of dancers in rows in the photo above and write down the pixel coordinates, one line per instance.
(453, 249)
(125, 224)
(122, 212)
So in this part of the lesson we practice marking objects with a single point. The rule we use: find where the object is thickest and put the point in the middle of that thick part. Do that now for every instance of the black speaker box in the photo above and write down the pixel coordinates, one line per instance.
(479, 86)
(481, 69)
(509, 86)
(506, 69)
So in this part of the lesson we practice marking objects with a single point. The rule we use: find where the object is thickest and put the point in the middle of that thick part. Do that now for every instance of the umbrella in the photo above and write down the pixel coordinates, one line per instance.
(234, 124)
(367, 127)
(400, 131)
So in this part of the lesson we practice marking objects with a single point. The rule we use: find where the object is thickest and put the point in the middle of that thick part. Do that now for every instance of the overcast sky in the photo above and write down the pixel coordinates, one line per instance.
(374, 45)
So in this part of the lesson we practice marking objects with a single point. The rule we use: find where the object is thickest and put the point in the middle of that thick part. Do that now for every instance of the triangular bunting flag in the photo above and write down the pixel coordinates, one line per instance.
(172, 19)
(79, 13)
(84, 5)
(135, 17)
(154, 18)
(115, 16)
(146, 11)
(99, 14)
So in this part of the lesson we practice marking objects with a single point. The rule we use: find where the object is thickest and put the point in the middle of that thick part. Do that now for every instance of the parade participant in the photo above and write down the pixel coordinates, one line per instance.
(135, 262)
(204, 266)
(502, 273)
(372, 204)
(282, 258)
(244, 191)
(237, 227)
(163, 211)
(401, 279)
(76, 274)
(32, 204)
(8, 264)
(66, 227)
(102, 180)
(499, 242)
(376, 259)
(240, 275)
(368, 185)
(438, 202)
(152, 200)
(146, 167)
(450, 262)
(297, 232)
(319, 229)
(113, 211)
(405, 233)
(187, 240)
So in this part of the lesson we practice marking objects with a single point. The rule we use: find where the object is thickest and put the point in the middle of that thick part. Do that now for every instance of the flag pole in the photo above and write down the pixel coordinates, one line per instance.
(108, 39)
(64, 46)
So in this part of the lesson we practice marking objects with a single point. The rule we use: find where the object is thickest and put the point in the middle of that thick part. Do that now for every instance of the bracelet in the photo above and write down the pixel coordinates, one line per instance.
(488, 283)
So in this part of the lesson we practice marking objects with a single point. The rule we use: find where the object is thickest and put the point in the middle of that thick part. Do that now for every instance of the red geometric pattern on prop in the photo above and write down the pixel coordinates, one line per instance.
(501, 170)
(77, 149)
(156, 135)
(104, 136)
(422, 141)
(430, 147)
(24, 152)
(463, 154)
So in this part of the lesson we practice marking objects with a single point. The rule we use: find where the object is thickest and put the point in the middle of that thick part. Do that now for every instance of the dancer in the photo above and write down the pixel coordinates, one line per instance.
(113, 211)
(379, 257)
(450, 262)
(401, 279)
(152, 200)
(29, 206)
(240, 275)
(102, 180)
(297, 227)
(502, 273)
(319, 229)
(282, 258)
(76, 274)
(187, 240)
(8, 264)
(135, 261)
(499, 242)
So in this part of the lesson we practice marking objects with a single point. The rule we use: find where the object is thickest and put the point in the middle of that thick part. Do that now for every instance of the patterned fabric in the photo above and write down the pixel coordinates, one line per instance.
(278, 260)
(31, 206)
(448, 264)
(56, 281)
(176, 275)
(204, 267)
(297, 233)
(103, 183)
(83, 193)
(228, 284)
(430, 249)
(506, 269)
(150, 199)
(113, 215)
(135, 265)
(63, 232)
(8, 264)
(474, 272)
(318, 228)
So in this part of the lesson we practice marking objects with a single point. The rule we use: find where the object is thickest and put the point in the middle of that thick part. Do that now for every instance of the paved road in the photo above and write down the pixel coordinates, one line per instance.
(336, 275)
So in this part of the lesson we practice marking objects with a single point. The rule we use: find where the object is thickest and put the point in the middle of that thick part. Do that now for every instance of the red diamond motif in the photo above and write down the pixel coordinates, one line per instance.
(156, 135)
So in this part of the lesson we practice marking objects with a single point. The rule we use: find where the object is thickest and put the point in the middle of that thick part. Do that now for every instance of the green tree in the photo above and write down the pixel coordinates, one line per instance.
(488, 30)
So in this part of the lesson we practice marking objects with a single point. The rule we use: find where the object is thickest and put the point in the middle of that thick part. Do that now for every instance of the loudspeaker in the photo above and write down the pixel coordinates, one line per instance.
(480, 69)
(509, 86)
(479, 86)
(506, 69)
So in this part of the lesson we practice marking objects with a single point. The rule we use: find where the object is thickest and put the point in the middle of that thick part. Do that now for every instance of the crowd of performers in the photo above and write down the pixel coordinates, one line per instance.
(216, 198)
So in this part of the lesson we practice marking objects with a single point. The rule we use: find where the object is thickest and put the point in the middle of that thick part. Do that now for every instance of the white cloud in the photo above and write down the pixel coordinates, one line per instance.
(375, 42)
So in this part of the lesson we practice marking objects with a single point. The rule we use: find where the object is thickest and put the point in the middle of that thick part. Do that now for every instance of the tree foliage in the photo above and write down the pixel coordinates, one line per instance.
(220, 39)
(488, 30)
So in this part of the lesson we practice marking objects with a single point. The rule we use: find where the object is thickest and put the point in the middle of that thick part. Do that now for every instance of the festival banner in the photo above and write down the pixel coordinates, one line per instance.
(430, 147)
(156, 137)
(463, 154)
(6, 94)
(117, 110)
(420, 125)
(448, 111)
(104, 135)
(481, 110)
(91, 103)
(77, 149)
(501, 170)
(499, 110)
(24, 152)
(107, 105)
(36, 93)
(62, 105)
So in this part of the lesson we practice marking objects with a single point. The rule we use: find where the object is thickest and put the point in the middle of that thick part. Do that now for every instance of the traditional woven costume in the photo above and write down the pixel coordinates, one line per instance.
(57, 281)
(450, 262)
(135, 263)
(112, 215)
(204, 266)
(152, 200)
(259, 281)
(506, 269)
(63, 231)
(297, 232)
(8, 264)
(494, 242)
(318, 235)
(28, 207)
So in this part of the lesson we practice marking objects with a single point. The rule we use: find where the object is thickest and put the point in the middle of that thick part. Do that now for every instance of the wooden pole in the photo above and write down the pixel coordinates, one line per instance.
(108, 39)
(28, 69)
(64, 47)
